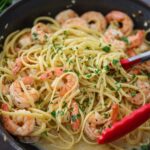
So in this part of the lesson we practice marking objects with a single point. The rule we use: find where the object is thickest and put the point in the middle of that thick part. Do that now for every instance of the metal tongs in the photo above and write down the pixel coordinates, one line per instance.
(133, 120)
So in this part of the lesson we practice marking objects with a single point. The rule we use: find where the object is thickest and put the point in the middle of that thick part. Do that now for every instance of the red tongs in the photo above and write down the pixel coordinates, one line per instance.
(130, 62)
(133, 120)
(126, 125)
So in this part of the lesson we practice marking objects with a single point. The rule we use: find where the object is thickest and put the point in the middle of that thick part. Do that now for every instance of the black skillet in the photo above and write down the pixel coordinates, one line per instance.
(24, 12)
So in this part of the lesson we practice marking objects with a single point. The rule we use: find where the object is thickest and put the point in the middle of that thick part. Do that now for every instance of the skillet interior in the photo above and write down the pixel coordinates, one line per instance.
(23, 13)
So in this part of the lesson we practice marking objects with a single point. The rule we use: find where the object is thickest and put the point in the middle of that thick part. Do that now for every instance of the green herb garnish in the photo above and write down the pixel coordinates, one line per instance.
(97, 71)
(125, 39)
(115, 61)
(118, 85)
(106, 49)
(66, 32)
(133, 93)
(35, 36)
(53, 113)
(64, 104)
(58, 47)
(106, 68)
(60, 112)
(73, 118)
(88, 75)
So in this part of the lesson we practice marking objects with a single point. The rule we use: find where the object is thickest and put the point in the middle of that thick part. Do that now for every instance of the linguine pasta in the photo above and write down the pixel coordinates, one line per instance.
(56, 78)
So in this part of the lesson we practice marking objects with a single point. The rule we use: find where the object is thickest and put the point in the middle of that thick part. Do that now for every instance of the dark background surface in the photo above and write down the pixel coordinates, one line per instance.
(5, 145)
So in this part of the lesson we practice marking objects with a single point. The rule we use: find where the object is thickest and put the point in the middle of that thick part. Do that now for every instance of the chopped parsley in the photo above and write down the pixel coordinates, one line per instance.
(97, 71)
(60, 112)
(66, 32)
(53, 113)
(58, 47)
(115, 61)
(35, 36)
(106, 49)
(125, 39)
(88, 76)
(64, 104)
(118, 85)
(106, 68)
(78, 74)
(133, 76)
(74, 118)
(133, 93)
(106, 115)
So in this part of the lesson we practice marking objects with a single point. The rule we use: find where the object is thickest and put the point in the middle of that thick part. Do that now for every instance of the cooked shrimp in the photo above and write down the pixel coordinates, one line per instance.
(75, 122)
(136, 40)
(69, 81)
(144, 86)
(18, 65)
(121, 18)
(18, 125)
(24, 40)
(130, 52)
(66, 83)
(75, 22)
(139, 68)
(114, 114)
(111, 36)
(95, 20)
(55, 72)
(65, 15)
(40, 32)
(19, 97)
(92, 125)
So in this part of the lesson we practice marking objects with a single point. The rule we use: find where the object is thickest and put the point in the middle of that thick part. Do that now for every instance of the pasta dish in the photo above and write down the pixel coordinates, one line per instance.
(61, 81)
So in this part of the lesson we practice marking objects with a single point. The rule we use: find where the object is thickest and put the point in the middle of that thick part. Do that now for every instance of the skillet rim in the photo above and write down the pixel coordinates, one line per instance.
(3, 132)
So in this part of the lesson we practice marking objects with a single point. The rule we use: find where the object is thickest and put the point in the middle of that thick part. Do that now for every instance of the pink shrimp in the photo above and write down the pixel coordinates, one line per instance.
(122, 18)
(69, 81)
(55, 72)
(114, 114)
(91, 126)
(130, 52)
(94, 122)
(24, 40)
(136, 40)
(75, 22)
(75, 122)
(18, 125)
(40, 32)
(111, 36)
(18, 65)
(19, 97)
(65, 15)
(95, 20)
(144, 86)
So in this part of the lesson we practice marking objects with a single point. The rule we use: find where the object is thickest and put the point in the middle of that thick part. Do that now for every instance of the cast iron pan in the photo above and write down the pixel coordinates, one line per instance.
(24, 12)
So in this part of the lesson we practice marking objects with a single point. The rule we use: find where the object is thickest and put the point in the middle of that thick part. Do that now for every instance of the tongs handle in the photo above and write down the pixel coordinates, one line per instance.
(126, 125)
(130, 62)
